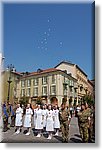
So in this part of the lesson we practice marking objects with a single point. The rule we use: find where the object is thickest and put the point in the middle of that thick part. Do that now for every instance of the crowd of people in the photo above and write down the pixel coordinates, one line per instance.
(49, 119)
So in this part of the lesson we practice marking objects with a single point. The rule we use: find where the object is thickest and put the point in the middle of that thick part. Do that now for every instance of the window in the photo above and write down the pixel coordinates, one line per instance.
(44, 90)
(23, 92)
(22, 83)
(71, 89)
(65, 89)
(71, 83)
(36, 91)
(36, 81)
(75, 90)
(44, 80)
(28, 92)
(53, 79)
(53, 90)
(81, 89)
(28, 83)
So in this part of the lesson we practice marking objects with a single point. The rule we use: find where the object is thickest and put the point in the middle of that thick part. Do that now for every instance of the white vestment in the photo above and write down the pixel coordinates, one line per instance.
(19, 112)
(49, 121)
(28, 116)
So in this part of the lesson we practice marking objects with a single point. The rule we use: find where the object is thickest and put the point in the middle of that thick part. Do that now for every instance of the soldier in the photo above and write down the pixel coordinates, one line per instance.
(5, 118)
(84, 121)
(90, 112)
(64, 117)
(12, 111)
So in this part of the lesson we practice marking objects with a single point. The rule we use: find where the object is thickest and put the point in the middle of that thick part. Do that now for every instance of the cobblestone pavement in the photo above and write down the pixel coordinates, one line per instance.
(10, 137)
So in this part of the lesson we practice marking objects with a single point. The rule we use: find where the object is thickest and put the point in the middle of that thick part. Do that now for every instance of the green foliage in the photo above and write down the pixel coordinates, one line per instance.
(24, 100)
(39, 102)
(88, 99)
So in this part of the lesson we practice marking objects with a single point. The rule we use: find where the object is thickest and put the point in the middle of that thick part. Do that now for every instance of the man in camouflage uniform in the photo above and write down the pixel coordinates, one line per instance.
(90, 112)
(12, 114)
(5, 117)
(64, 122)
(84, 121)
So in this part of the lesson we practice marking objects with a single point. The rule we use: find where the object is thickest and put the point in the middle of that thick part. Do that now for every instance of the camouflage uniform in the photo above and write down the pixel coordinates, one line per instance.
(90, 112)
(84, 125)
(64, 116)
(12, 111)
(5, 118)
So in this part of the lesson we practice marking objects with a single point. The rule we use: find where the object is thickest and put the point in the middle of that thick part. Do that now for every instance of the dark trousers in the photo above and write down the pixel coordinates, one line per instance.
(5, 124)
(12, 121)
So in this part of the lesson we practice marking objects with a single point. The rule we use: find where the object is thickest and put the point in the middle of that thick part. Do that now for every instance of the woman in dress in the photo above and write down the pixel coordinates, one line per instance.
(35, 109)
(18, 122)
(39, 120)
(28, 118)
(50, 122)
(44, 111)
(56, 120)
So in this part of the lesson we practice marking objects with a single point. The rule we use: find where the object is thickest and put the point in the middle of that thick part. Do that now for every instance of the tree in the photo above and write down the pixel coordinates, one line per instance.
(24, 100)
(88, 99)
(39, 102)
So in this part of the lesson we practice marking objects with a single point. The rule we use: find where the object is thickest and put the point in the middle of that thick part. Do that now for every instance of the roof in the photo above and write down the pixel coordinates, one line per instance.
(81, 70)
(42, 72)
(17, 73)
(92, 82)
(69, 63)
(65, 62)
(46, 71)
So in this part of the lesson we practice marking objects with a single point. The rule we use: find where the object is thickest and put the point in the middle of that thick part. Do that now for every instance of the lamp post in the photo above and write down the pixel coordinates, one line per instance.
(10, 68)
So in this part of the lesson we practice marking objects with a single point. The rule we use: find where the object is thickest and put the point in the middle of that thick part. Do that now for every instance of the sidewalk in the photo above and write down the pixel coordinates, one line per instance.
(74, 136)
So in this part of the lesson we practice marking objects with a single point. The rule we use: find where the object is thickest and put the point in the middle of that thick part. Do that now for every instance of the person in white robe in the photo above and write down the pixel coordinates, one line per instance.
(44, 111)
(35, 109)
(39, 121)
(18, 122)
(28, 118)
(56, 120)
(49, 122)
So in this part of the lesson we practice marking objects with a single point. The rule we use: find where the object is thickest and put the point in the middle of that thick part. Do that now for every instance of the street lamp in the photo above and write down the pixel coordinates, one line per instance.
(10, 68)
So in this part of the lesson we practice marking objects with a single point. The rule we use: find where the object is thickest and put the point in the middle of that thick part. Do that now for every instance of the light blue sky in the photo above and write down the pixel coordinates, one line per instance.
(42, 35)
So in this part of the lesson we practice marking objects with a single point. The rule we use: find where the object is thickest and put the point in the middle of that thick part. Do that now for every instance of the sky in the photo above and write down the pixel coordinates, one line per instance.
(42, 35)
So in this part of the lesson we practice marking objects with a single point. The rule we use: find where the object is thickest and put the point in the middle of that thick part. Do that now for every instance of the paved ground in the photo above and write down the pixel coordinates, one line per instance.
(10, 137)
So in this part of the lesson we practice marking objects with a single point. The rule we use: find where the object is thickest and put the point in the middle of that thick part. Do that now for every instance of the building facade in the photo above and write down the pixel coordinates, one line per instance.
(76, 72)
(66, 81)
(13, 78)
(51, 86)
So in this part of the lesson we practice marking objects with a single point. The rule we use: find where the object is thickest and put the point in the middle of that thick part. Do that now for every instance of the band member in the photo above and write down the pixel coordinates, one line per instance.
(28, 118)
(50, 122)
(39, 121)
(18, 122)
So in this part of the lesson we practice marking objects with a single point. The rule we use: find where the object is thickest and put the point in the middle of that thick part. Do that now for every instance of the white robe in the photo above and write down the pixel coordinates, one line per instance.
(27, 119)
(19, 112)
(39, 121)
(49, 121)
(44, 111)
(35, 117)
(56, 119)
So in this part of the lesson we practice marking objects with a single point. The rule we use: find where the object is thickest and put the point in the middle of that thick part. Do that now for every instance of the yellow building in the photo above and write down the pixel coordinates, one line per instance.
(50, 85)
(9, 92)
(66, 81)
(78, 74)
